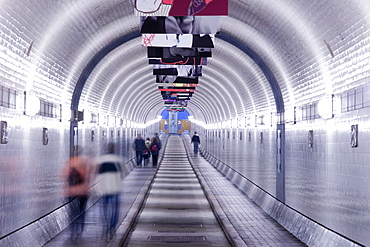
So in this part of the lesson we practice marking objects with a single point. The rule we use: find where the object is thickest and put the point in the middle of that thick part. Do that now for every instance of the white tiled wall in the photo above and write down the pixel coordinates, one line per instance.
(29, 174)
(328, 183)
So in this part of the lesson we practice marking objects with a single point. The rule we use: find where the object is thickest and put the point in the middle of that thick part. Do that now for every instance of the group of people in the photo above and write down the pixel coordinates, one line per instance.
(147, 148)
(106, 172)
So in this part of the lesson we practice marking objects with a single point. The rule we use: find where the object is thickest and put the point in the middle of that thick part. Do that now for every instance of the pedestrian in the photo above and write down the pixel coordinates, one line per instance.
(139, 146)
(154, 149)
(76, 174)
(196, 141)
(156, 135)
(109, 175)
(146, 152)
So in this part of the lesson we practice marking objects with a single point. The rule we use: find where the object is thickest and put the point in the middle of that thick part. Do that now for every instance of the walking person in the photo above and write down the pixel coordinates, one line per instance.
(196, 141)
(154, 149)
(109, 175)
(146, 152)
(156, 135)
(76, 174)
(139, 146)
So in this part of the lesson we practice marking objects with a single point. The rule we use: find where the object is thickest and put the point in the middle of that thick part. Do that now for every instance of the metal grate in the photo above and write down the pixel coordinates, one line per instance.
(310, 112)
(178, 239)
(8, 97)
(355, 99)
(48, 109)
(181, 225)
(179, 232)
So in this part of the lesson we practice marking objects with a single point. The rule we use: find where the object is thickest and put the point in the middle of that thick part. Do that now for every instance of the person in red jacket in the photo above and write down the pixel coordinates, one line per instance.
(76, 174)
(155, 146)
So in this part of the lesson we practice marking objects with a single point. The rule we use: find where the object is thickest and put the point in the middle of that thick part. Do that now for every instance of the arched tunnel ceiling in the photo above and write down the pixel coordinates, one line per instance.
(287, 35)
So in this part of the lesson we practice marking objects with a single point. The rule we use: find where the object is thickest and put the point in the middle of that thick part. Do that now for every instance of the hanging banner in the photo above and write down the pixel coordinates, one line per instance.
(176, 52)
(180, 24)
(177, 79)
(181, 7)
(179, 40)
(180, 61)
(179, 70)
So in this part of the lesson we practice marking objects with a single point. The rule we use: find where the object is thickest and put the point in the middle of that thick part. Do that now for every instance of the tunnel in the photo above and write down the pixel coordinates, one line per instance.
(282, 105)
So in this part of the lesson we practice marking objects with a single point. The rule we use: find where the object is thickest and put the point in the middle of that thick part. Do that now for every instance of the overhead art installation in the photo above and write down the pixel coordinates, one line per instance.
(180, 24)
(179, 61)
(177, 52)
(181, 7)
(179, 36)
(179, 40)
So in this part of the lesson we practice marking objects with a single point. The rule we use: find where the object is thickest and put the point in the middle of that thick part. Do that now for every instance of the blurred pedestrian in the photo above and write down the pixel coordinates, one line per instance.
(139, 146)
(146, 152)
(196, 141)
(154, 149)
(109, 175)
(76, 174)
(156, 135)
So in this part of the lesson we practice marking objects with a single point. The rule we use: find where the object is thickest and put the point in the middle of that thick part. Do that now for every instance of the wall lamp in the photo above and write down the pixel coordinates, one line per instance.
(327, 106)
(31, 104)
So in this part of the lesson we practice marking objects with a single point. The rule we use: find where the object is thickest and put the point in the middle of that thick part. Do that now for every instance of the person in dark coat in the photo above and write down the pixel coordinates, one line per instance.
(156, 135)
(139, 147)
(196, 141)
(155, 146)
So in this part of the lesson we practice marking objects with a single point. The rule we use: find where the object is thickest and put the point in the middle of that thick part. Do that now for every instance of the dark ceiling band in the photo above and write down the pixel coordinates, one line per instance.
(94, 62)
(262, 65)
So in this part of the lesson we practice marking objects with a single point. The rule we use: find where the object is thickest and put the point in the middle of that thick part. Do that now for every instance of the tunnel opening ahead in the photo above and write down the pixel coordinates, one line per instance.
(175, 122)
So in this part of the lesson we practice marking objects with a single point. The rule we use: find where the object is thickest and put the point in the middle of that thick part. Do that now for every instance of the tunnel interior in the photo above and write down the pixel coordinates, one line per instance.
(284, 100)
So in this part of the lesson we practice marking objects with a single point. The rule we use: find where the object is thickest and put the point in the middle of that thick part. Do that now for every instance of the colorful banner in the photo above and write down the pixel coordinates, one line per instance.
(181, 7)
(175, 52)
(180, 24)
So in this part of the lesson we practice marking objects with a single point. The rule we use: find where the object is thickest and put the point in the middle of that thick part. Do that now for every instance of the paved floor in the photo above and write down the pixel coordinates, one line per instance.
(248, 224)
(176, 212)
(134, 188)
